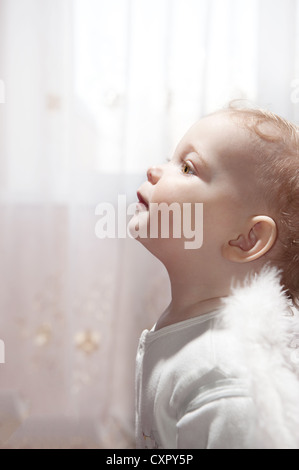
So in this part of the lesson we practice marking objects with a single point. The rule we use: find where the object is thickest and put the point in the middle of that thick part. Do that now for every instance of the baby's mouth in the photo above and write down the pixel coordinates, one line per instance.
(142, 200)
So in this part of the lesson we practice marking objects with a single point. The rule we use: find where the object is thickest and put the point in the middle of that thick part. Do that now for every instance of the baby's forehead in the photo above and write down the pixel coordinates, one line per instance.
(219, 134)
(219, 125)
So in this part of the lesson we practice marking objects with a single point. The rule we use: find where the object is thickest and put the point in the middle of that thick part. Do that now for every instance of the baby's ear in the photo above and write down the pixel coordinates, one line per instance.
(258, 238)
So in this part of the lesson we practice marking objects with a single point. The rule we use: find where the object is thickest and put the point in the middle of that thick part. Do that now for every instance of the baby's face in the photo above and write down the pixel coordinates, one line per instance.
(212, 165)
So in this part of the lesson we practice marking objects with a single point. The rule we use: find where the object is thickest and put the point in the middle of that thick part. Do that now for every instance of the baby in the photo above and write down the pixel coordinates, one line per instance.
(216, 371)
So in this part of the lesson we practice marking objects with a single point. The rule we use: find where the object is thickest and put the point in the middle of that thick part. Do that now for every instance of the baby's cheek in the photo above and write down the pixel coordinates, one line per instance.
(174, 192)
(165, 194)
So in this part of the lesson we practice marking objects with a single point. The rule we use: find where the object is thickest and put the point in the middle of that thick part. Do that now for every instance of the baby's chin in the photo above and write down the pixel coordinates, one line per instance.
(138, 225)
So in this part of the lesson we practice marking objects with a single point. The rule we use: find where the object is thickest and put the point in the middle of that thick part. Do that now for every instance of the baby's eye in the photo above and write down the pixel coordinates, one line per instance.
(187, 168)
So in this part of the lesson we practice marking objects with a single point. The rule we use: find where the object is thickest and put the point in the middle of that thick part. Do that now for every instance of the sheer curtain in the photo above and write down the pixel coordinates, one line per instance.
(94, 91)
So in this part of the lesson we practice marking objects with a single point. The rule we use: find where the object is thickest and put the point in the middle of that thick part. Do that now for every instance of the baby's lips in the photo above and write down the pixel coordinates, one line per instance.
(142, 199)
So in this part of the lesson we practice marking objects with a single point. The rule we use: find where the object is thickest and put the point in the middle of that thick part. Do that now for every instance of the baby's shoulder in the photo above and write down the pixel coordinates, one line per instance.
(215, 348)
(207, 362)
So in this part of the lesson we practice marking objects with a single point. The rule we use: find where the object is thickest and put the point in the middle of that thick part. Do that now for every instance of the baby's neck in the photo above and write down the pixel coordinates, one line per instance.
(195, 293)
(178, 311)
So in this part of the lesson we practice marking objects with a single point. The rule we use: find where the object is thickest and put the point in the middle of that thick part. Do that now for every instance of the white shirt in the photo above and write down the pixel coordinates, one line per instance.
(190, 391)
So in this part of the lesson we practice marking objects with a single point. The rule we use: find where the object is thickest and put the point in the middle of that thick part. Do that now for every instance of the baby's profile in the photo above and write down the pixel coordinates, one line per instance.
(216, 370)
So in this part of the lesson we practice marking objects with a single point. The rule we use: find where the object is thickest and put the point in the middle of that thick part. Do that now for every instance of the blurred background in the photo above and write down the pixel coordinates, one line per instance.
(92, 92)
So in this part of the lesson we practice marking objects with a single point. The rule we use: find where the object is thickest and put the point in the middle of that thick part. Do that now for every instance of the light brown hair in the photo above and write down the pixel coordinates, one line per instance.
(277, 157)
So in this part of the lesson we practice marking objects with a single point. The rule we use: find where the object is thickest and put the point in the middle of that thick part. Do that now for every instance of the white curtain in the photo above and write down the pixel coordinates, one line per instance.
(91, 93)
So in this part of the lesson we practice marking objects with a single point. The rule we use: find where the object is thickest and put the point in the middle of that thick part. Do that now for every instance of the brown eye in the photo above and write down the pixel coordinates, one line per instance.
(186, 168)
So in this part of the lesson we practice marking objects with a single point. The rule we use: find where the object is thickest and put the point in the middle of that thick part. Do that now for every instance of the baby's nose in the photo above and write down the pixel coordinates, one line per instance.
(154, 173)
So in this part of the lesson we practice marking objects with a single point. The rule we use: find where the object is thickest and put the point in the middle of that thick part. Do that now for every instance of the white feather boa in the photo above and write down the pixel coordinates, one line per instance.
(267, 333)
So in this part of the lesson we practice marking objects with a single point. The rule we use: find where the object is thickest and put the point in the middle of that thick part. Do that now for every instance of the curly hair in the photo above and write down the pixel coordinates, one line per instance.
(277, 157)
